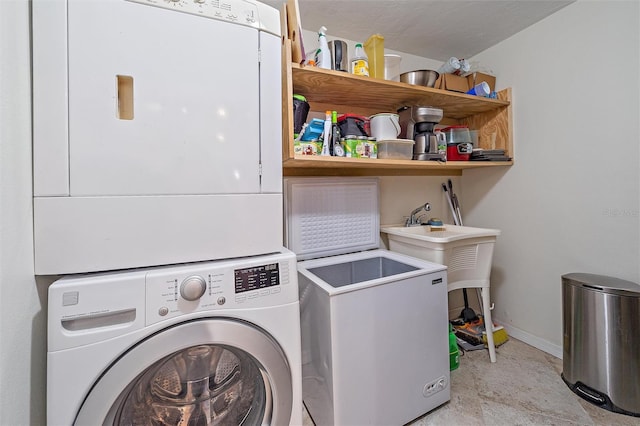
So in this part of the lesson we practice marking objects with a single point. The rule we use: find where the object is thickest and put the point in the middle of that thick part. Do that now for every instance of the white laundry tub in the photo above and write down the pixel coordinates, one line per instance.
(465, 250)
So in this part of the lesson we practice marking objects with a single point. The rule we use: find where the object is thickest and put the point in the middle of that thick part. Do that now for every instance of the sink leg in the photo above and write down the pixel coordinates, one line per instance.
(488, 322)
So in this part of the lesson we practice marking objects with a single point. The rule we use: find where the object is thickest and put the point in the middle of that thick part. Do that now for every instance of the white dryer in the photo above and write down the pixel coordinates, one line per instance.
(202, 343)
(157, 132)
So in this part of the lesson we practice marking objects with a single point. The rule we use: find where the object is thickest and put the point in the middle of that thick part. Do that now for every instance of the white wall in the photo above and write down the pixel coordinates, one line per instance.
(571, 201)
(407, 63)
(22, 317)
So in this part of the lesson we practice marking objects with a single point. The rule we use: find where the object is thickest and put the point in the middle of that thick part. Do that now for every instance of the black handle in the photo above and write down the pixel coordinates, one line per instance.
(361, 126)
(338, 55)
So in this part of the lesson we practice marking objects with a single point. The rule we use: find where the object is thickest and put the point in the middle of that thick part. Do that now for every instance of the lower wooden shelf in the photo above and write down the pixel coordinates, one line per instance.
(337, 166)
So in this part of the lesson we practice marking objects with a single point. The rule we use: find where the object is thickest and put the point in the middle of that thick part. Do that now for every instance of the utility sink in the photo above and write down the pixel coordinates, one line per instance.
(466, 251)
(456, 246)
(451, 233)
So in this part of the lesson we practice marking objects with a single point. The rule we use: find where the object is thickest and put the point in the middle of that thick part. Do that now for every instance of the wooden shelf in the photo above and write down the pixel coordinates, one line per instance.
(343, 92)
(326, 88)
(337, 166)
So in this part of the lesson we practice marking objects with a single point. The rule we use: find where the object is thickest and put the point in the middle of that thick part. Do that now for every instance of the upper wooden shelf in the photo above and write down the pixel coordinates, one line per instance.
(367, 95)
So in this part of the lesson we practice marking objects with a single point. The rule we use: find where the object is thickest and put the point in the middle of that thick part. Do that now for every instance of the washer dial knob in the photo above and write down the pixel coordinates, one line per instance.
(193, 288)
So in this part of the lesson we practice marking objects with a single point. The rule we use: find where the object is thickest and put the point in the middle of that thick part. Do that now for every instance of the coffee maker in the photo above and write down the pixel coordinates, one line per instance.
(417, 123)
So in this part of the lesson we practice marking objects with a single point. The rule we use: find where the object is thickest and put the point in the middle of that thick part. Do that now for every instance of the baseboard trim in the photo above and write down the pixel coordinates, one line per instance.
(530, 339)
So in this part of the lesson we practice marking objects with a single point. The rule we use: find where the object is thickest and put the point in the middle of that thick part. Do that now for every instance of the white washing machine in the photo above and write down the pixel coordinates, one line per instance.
(202, 343)
(374, 323)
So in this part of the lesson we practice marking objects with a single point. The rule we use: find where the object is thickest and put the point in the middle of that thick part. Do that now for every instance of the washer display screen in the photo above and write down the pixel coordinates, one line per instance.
(257, 277)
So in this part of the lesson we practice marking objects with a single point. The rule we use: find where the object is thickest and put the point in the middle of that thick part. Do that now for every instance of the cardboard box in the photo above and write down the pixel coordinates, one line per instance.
(478, 77)
(452, 83)
(307, 148)
(358, 148)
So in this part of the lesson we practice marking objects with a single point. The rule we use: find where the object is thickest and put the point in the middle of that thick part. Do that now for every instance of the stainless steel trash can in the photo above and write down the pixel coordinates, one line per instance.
(601, 340)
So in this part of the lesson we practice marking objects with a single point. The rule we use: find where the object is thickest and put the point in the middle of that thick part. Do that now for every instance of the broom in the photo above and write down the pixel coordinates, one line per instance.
(467, 314)
(473, 329)
(475, 332)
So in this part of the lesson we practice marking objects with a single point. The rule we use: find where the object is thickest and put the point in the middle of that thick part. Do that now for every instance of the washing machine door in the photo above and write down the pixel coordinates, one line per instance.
(204, 372)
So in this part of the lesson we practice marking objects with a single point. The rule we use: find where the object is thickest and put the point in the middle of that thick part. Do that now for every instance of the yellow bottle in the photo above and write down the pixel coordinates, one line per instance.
(374, 48)
(359, 63)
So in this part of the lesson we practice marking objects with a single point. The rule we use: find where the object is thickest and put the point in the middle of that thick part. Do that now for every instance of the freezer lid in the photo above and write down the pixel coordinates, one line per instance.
(602, 283)
(331, 216)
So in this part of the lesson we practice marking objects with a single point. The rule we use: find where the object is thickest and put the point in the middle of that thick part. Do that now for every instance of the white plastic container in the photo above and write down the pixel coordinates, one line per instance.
(385, 126)
(392, 67)
(396, 149)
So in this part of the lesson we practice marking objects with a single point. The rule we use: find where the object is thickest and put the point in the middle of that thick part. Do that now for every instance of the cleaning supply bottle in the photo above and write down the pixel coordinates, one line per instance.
(326, 135)
(374, 48)
(360, 63)
(454, 355)
(323, 57)
(336, 148)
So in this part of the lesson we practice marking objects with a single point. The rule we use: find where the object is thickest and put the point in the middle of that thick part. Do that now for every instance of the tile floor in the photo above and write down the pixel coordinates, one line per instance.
(523, 387)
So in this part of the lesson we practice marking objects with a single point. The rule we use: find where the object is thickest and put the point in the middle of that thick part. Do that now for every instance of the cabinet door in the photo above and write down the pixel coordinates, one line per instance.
(160, 102)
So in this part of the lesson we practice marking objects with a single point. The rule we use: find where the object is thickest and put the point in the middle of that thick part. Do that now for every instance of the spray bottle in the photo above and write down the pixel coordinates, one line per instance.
(326, 135)
(323, 57)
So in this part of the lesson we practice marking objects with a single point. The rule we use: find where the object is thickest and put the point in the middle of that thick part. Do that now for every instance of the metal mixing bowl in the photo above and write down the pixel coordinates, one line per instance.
(420, 77)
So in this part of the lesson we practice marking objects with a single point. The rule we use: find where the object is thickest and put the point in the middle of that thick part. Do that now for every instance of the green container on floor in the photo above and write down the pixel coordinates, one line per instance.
(454, 355)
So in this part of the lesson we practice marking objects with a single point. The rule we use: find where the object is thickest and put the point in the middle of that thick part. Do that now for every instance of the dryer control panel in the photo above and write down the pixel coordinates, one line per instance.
(235, 11)
(225, 285)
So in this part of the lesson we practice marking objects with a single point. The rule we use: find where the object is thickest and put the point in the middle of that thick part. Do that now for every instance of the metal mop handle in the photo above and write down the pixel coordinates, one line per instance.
(449, 200)
(456, 203)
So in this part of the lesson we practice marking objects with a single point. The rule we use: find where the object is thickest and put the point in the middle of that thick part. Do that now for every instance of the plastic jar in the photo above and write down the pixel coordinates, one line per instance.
(374, 48)
(392, 67)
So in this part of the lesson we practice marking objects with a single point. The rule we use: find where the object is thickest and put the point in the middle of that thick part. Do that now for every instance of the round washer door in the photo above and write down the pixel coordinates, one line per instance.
(209, 372)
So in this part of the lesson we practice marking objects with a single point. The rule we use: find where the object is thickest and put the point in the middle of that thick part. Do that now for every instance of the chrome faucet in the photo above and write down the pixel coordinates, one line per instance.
(413, 220)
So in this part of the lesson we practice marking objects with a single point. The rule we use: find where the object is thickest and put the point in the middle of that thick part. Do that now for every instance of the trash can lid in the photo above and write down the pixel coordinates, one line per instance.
(603, 283)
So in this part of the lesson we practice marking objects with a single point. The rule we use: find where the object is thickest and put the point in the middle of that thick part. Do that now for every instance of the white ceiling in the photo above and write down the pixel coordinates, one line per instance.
(435, 29)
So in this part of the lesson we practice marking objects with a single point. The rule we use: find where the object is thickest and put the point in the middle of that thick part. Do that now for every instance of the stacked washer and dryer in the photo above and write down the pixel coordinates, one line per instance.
(158, 197)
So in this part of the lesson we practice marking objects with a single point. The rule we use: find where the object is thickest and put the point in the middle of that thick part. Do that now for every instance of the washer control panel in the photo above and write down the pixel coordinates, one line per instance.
(256, 282)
